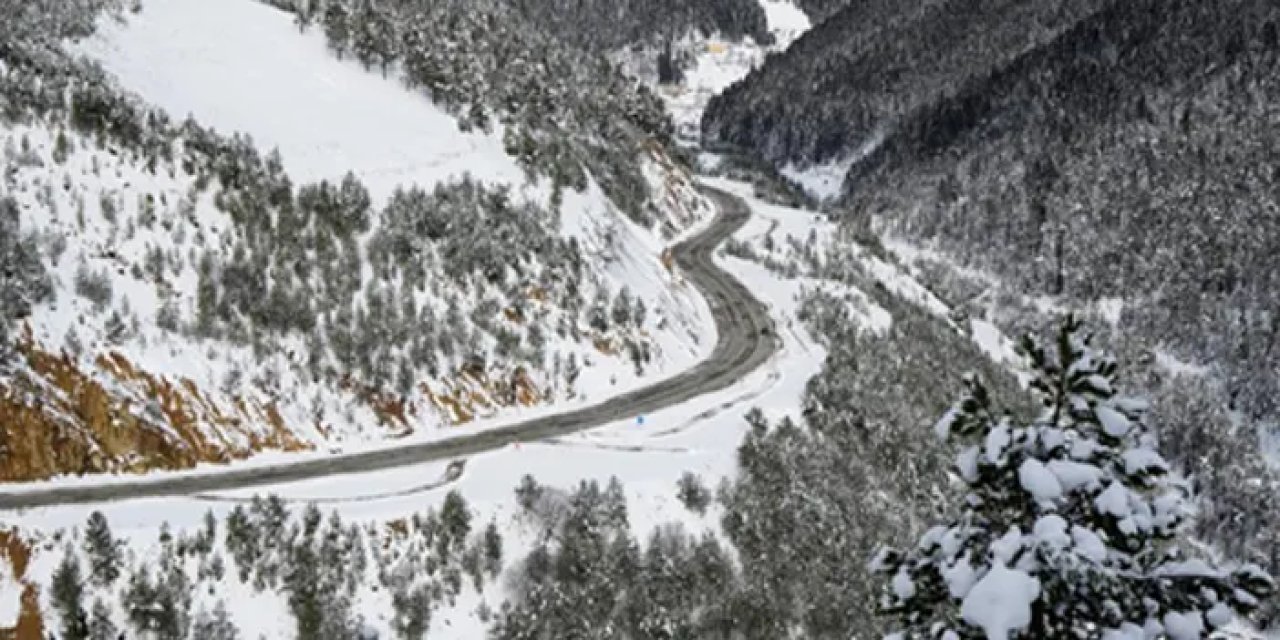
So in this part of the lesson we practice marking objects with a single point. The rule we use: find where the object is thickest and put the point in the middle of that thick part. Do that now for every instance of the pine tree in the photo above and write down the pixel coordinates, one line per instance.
(303, 14)
(61, 147)
(614, 504)
(115, 330)
(598, 313)
(103, 550)
(692, 493)
(622, 312)
(638, 313)
(336, 27)
(528, 493)
(373, 36)
(456, 518)
(214, 626)
(1071, 524)
(207, 535)
(138, 596)
(100, 625)
(67, 589)
(492, 550)
(412, 612)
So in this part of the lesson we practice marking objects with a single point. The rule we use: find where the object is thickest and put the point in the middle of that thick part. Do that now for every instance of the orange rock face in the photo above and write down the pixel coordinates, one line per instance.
(56, 418)
(474, 394)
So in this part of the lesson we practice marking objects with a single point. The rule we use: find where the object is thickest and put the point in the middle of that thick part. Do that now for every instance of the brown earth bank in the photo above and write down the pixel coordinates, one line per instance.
(15, 554)
(57, 418)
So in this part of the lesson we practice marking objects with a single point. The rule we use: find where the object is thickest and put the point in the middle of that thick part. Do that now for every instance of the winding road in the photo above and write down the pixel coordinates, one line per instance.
(745, 341)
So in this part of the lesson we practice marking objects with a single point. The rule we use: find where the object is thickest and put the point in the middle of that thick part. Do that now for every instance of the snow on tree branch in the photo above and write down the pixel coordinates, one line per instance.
(1071, 524)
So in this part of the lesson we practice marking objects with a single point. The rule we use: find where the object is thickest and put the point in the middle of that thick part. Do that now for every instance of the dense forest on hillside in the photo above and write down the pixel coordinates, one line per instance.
(1123, 156)
(1131, 159)
(820, 10)
(607, 25)
(845, 84)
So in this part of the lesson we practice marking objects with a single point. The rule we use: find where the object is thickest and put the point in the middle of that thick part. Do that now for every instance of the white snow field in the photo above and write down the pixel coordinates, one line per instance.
(825, 180)
(240, 66)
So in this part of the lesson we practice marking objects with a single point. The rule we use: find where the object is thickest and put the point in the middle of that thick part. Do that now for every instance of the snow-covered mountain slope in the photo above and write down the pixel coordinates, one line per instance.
(287, 91)
(213, 300)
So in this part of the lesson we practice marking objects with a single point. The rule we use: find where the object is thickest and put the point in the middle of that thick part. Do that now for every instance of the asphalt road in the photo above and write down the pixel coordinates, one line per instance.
(745, 341)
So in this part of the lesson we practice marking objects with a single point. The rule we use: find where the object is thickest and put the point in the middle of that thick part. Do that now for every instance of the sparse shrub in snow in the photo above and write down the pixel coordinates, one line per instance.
(94, 286)
(693, 494)
(1071, 524)
(528, 492)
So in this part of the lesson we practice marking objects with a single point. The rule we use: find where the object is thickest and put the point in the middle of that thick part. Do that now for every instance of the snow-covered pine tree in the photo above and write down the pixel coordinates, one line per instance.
(216, 625)
(67, 593)
(103, 550)
(1070, 527)
(100, 625)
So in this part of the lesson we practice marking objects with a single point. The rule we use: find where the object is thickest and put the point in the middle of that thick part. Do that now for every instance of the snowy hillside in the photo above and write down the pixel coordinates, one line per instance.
(419, 278)
(391, 509)
(251, 235)
(711, 64)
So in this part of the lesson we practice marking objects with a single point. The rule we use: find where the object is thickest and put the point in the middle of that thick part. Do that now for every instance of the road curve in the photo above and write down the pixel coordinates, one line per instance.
(745, 341)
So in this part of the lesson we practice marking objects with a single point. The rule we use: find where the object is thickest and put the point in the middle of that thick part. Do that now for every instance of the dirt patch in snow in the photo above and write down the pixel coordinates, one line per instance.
(15, 555)
(392, 410)
(472, 393)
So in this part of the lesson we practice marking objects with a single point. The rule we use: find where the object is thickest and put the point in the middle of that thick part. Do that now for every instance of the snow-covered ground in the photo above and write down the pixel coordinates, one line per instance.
(825, 180)
(241, 66)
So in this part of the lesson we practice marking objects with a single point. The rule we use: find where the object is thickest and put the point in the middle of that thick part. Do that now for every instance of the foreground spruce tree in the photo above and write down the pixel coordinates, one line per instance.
(1070, 527)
